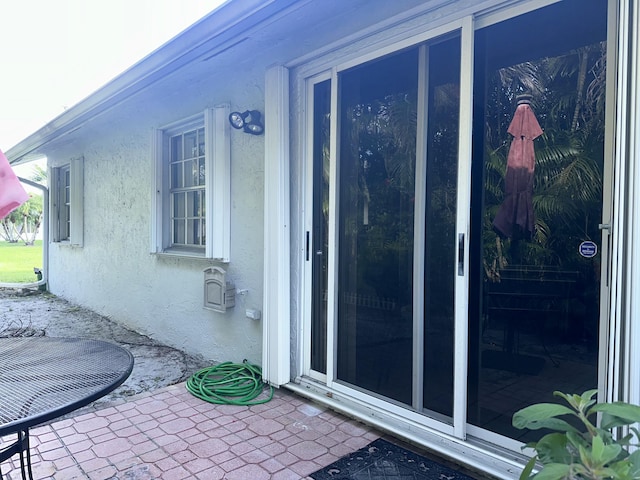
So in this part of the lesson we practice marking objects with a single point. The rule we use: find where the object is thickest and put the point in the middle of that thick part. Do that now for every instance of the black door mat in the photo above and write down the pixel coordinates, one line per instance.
(383, 460)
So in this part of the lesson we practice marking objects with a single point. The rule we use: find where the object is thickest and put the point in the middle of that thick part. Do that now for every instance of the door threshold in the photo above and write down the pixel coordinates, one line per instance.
(473, 453)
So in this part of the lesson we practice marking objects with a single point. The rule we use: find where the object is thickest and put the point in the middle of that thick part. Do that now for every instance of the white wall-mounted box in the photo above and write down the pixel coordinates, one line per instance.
(219, 294)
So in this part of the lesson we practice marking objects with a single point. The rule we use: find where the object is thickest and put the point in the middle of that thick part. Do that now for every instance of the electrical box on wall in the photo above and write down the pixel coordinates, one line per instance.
(219, 294)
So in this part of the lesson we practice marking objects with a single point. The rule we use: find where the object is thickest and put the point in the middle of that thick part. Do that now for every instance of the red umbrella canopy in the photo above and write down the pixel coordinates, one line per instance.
(516, 211)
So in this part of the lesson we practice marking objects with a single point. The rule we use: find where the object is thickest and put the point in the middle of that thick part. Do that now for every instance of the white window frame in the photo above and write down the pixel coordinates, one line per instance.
(68, 203)
(217, 186)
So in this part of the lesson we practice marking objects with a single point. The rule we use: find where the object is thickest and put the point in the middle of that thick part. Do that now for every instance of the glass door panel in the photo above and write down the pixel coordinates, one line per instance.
(378, 104)
(320, 234)
(539, 89)
(392, 110)
(443, 87)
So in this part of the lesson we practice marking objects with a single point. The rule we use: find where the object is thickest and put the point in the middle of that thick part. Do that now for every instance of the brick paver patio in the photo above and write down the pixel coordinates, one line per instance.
(168, 435)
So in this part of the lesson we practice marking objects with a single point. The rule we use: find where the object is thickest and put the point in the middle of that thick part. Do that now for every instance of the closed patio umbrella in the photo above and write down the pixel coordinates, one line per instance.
(516, 212)
(12, 194)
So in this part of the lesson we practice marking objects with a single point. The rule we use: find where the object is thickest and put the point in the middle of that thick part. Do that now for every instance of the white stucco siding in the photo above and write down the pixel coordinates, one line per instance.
(114, 273)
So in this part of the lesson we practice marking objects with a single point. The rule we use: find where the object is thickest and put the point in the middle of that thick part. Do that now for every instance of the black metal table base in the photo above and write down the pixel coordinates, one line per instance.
(20, 446)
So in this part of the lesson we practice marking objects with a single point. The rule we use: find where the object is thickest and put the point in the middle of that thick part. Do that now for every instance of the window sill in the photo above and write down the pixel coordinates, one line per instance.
(66, 243)
(186, 253)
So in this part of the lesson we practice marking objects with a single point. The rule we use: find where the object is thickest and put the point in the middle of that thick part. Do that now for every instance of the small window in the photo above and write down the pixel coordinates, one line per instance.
(187, 189)
(67, 199)
(191, 194)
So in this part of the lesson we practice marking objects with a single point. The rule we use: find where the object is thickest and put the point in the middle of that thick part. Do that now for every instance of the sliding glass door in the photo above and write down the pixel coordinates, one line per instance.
(456, 248)
(539, 162)
(378, 105)
(396, 184)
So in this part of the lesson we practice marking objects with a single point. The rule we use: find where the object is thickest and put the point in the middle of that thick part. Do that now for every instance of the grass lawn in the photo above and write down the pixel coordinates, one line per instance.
(17, 261)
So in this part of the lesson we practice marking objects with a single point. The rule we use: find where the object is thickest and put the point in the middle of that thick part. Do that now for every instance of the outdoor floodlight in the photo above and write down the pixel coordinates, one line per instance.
(250, 121)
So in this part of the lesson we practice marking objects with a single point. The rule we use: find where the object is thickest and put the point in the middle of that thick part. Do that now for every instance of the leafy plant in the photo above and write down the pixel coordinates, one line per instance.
(594, 452)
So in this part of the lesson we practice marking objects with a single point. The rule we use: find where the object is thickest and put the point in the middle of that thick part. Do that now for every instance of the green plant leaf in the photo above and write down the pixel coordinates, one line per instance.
(624, 441)
(584, 401)
(528, 468)
(556, 424)
(606, 436)
(619, 471)
(585, 458)
(611, 453)
(634, 462)
(578, 402)
(588, 396)
(602, 454)
(597, 449)
(617, 414)
(577, 440)
(567, 397)
(553, 471)
(536, 414)
(594, 453)
(552, 448)
(579, 471)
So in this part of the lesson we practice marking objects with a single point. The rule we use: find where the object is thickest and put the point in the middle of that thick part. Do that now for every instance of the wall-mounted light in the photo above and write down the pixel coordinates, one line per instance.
(250, 121)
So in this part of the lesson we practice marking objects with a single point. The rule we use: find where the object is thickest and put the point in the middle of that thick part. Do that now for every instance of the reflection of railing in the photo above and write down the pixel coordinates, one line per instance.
(531, 289)
(537, 273)
(369, 301)
(537, 296)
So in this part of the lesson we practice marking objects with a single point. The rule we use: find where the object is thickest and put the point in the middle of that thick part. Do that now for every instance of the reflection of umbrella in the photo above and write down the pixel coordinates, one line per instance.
(517, 208)
(12, 195)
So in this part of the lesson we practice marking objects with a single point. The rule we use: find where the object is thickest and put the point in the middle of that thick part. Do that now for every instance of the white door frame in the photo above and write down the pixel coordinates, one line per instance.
(618, 304)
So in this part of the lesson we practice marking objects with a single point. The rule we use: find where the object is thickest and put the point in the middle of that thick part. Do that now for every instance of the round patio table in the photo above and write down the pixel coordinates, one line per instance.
(43, 378)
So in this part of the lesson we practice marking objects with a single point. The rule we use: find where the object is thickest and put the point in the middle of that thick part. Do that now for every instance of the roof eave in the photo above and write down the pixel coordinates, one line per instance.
(214, 33)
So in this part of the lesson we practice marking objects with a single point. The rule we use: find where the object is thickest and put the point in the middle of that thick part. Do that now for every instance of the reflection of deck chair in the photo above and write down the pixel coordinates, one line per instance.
(529, 297)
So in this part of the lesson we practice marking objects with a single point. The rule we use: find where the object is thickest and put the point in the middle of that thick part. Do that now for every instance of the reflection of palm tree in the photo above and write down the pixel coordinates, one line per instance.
(381, 187)
(568, 96)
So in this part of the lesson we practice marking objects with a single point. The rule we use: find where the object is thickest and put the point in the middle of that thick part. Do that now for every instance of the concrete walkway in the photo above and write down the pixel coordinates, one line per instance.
(169, 434)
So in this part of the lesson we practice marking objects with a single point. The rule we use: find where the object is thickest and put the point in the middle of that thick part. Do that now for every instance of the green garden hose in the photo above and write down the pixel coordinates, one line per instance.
(229, 384)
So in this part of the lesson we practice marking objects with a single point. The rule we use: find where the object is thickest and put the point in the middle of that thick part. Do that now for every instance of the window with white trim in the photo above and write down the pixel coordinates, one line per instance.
(192, 187)
(68, 202)
(187, 188)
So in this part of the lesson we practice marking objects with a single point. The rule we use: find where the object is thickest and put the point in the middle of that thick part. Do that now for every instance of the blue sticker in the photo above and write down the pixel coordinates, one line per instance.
(588, 249)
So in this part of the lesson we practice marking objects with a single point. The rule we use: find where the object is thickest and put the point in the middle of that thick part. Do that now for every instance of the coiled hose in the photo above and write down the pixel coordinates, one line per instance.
(229, 384)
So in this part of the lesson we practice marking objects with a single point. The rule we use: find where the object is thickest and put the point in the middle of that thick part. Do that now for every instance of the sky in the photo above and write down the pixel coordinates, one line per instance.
(54, 53)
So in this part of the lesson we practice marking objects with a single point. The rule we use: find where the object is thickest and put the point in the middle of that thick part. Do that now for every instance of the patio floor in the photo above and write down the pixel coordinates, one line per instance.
(169, 434)
(166, 433)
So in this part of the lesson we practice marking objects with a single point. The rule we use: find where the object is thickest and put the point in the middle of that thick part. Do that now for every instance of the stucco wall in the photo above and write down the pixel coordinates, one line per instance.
(114, 272)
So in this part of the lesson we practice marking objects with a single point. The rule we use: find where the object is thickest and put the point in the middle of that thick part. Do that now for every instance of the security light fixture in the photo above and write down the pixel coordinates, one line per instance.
(250, 121)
